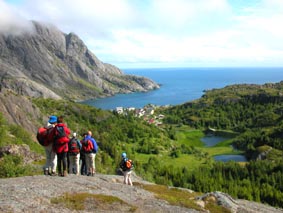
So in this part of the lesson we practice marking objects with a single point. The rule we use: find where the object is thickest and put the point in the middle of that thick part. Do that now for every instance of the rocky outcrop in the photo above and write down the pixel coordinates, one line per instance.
(20, 150)
(19, 110)
(36, 193)
(49, 63)
(235, 205)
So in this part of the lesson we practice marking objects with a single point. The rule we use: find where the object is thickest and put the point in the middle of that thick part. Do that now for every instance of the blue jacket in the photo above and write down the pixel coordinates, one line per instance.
(95, 147)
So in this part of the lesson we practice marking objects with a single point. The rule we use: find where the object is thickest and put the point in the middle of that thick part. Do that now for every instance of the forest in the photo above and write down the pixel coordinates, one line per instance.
(252, 114)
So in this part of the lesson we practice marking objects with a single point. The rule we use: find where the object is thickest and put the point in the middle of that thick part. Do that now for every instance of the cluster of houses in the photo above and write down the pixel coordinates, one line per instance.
(147, 113)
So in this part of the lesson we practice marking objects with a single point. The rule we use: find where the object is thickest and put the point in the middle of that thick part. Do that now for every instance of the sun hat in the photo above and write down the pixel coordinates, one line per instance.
(124, 155)
(52, 119)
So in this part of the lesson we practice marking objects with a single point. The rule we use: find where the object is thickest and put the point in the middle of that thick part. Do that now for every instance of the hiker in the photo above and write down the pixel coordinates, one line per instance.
(51, 157)
(82, 159)
(90, 149)
(74, 155)
(126, 166)
(61, 139)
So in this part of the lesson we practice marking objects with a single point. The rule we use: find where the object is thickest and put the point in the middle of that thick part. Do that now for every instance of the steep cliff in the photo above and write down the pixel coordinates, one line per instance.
(49, 63)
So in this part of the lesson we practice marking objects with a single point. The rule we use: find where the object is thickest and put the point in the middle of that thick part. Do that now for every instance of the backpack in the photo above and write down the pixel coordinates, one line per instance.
(42, 136)
(59, 132)
(87, 146)
(73, 146)
(127, 165)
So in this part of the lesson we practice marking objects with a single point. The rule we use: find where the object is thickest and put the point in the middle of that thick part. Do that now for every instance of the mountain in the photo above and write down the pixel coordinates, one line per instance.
(51, 64)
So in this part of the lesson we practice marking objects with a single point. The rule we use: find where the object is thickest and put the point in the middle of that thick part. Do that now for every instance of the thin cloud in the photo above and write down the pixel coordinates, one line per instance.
(11, 23)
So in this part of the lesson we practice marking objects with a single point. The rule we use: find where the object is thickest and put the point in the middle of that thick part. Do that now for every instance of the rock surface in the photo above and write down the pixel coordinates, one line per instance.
(51, 64)
(34, 194)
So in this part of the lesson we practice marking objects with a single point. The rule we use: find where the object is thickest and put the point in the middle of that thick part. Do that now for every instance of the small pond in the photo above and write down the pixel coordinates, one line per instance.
(210, 141)
(226, 158)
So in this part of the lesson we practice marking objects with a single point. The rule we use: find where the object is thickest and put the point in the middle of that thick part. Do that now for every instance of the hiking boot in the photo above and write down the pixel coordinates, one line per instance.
(65, 173)
(46, 172)
(53, 174)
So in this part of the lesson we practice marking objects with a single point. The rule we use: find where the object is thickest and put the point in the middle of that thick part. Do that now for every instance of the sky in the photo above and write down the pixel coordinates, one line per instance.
(162, 33)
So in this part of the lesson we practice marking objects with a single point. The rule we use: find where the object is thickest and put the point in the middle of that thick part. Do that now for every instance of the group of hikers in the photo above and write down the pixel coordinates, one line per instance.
(70, 155)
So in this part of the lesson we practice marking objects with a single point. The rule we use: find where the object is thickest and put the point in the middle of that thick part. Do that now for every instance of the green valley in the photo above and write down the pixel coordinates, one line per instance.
(249, 116)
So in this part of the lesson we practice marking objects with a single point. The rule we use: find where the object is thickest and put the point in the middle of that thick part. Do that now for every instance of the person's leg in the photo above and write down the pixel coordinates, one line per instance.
(64, 159)
(125, 173)
(71, 163)
(48, 160)
(92, 164)
(84, 167)
(59, 157)
(88, 163)
(53, 162)
(129, 178)
(77, 164)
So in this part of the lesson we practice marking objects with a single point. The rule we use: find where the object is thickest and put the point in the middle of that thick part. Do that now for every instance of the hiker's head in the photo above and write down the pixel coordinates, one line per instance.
(124, 155)
(74, 134)
(60, 119)
(52, 119)
(89, 133)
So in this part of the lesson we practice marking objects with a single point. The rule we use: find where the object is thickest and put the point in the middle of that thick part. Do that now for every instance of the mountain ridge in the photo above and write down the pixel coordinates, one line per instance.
(51, 64)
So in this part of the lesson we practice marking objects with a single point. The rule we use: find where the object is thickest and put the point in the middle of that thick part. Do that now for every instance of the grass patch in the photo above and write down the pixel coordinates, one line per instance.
(87, 201)
(212, 206)
(183, 198)
(174, 196)
(189, 137)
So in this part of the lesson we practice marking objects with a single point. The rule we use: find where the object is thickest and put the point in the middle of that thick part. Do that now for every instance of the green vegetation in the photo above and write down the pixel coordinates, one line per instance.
(183, 198)
(250, 116)
(12, 166)
(87, 201)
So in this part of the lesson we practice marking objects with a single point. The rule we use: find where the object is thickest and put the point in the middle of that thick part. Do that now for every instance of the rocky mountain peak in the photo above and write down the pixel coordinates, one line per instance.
(52, 62)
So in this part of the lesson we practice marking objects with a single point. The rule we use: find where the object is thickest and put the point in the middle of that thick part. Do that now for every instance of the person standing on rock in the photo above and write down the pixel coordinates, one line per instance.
(82, 158)
(126, 165)
(74, 155)
(51, 157)
(61, 139)
(90, 149)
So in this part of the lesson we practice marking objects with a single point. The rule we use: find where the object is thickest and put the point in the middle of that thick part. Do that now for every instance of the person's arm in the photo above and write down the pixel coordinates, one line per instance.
(79, 144)
(95, 147)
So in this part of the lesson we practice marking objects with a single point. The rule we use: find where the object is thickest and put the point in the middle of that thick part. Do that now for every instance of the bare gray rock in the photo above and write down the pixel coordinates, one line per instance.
(34, 194)
(237, 205)
(50, 63)
(20, 150)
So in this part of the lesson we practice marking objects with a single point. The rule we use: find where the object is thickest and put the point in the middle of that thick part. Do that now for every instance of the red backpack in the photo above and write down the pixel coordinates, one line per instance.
(87, 146)
(73, 146)
(42, 136)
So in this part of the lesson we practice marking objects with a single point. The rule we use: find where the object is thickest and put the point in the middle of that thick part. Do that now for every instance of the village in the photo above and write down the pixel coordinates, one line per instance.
(147, 113)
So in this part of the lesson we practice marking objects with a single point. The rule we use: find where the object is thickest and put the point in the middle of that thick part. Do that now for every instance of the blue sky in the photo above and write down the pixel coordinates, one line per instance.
(162, 33)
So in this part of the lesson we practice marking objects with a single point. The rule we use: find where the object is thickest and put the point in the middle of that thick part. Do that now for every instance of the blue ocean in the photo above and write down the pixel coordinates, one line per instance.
(180, 85)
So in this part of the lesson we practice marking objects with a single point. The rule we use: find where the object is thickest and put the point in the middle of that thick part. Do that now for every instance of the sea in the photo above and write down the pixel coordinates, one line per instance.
(181, 85)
